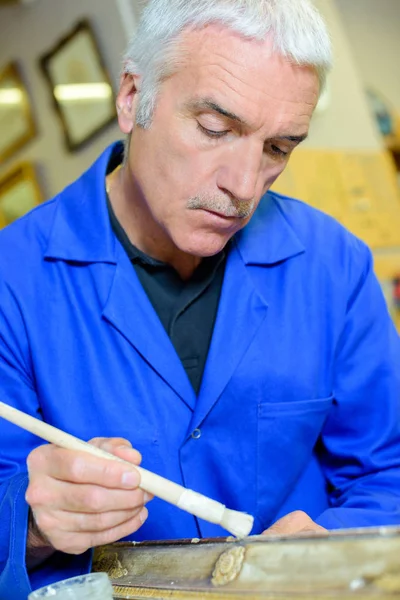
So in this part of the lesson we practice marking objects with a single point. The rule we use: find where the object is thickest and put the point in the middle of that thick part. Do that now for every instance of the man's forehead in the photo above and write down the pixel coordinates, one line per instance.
(218, 55)
(216, 42)
(214, 36)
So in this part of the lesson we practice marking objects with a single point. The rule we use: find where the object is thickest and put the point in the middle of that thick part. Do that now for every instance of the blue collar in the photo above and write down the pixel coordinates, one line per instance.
(81, 229)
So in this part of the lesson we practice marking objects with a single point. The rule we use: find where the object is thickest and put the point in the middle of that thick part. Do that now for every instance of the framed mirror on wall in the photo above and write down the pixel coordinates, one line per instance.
(80, 86)
(19, 193)
(17, 125)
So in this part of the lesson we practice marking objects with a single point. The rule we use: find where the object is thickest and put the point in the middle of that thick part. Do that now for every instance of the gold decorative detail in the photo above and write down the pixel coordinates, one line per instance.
(110, 564)
(228, 566)
(123, 592)
(388, 582)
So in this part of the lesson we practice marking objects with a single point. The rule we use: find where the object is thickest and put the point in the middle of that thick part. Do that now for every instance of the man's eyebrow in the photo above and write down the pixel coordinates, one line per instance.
(207, 104)
(297, 139)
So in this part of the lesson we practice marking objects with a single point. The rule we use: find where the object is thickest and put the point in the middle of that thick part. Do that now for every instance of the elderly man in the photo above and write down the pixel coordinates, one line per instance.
(236, 338)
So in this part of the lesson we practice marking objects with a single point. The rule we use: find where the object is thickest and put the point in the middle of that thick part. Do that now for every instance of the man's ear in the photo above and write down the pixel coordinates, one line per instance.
(127, 101)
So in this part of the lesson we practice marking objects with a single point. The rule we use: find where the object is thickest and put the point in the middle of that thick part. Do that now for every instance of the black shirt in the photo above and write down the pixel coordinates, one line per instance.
(187, 309)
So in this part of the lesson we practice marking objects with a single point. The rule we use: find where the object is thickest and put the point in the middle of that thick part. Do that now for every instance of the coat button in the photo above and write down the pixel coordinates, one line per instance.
(196, 435)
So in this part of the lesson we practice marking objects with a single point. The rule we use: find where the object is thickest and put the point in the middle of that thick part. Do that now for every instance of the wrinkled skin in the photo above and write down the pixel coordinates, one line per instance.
(79, 501)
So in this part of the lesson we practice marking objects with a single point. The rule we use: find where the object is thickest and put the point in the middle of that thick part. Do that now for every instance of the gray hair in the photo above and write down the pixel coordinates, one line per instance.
(298, 32)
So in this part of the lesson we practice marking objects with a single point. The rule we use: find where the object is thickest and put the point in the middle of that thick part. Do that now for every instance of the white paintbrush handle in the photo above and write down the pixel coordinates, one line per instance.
(171, 492)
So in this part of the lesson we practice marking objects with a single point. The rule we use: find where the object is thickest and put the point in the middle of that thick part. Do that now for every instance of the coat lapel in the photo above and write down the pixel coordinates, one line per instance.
(241, 313)
(82, 233)
(130, 311)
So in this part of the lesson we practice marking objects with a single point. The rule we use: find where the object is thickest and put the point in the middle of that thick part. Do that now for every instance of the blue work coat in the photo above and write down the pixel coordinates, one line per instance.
(299, 403)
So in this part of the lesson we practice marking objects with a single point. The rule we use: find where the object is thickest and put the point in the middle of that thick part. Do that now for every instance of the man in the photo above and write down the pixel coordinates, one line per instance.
(237, 339)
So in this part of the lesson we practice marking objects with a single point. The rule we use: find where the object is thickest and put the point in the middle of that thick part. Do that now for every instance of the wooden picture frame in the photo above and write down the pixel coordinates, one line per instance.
(17, 125)
(19, 193)
(80, 86)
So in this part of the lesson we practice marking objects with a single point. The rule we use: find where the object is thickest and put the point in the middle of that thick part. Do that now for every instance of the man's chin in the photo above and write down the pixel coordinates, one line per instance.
(204, 246)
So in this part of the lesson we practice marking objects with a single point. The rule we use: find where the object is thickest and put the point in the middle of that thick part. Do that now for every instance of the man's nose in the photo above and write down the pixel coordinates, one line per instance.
(241, 172)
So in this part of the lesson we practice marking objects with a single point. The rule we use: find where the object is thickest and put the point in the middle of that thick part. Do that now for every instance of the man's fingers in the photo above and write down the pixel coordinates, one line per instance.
(60, 520)
(78, 543)
(314, 529)
(113, 535)
(111, 445)
(80, 467)
(82, 498)
(129, 454)
(133, 456)
(101, 522)
(293, 523)
(108, 444)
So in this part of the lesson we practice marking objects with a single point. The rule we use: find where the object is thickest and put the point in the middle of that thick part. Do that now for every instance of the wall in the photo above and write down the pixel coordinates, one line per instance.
(347, 123)
(28, 32)
(374, 30)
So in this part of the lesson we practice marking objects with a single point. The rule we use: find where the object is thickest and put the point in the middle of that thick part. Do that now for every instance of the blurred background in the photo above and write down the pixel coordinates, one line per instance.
(59, 68)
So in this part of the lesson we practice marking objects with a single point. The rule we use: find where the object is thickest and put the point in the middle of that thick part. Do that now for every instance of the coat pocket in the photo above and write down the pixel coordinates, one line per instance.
(286, 436)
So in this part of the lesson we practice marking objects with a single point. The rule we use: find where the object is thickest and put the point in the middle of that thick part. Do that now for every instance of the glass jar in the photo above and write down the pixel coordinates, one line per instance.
(95, 586)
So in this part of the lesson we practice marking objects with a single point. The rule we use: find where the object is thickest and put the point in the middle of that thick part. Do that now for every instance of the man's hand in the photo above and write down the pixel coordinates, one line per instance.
(294, 523)
(79, 501)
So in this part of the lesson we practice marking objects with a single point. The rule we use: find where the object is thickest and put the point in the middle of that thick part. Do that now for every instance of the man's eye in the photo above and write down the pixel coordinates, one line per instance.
(210, 133)
(278, 151)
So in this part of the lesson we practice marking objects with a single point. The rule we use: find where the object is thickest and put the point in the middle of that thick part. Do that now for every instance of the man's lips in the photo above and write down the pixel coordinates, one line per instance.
(220, 215)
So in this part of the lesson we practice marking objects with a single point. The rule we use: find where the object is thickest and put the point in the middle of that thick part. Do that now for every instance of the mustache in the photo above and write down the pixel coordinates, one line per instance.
(222, 205)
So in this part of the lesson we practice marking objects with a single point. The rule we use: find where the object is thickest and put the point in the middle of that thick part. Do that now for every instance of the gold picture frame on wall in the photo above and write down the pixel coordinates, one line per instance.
(19, 193)
(17, 125)
(80, 86)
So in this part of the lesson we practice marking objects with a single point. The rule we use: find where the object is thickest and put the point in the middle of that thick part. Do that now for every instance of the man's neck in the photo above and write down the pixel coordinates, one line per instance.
(139, 226)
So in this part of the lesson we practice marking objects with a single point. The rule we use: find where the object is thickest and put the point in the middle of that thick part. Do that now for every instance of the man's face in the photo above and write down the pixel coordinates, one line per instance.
(222, 132)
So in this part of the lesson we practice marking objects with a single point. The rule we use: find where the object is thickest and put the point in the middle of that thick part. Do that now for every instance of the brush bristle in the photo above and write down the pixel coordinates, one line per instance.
(237, 523)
